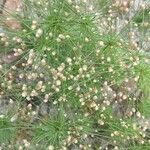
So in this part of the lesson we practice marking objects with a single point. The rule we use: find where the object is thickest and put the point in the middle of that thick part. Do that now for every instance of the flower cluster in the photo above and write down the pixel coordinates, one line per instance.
(73, 82)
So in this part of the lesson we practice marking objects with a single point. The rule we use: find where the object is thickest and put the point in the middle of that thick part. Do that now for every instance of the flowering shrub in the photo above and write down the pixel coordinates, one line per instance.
(70, 79)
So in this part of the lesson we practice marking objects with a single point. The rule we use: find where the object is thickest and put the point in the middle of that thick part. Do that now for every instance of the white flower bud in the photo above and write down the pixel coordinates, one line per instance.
(39, 33)
(50, 147)
(69, 60)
